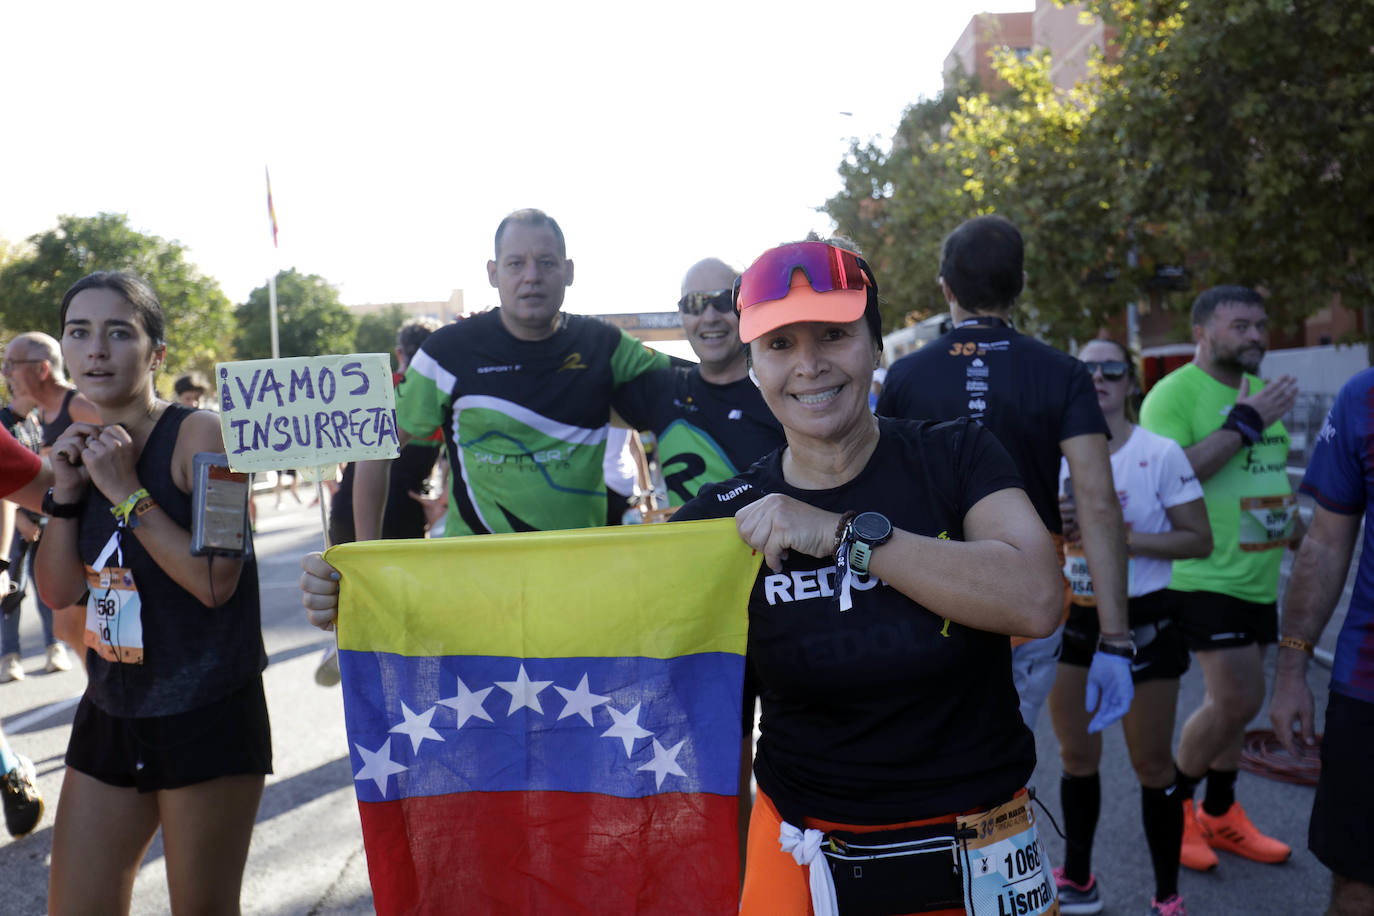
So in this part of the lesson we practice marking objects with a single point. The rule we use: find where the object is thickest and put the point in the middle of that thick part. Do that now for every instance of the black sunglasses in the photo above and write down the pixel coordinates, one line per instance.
(696, 303)
(1113, 370)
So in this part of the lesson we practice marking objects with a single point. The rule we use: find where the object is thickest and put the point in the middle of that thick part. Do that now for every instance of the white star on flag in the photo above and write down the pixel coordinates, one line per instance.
(416, 727)
(378, 765)
(523, 692)
(626, 727)
(468, 703)
(581, 701)
(664, 762)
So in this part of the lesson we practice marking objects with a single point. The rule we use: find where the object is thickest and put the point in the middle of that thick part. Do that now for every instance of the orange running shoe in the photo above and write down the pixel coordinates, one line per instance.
(1195, 853)
(1233, 832)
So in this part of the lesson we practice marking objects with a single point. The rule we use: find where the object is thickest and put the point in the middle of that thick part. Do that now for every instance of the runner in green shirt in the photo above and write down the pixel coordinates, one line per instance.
(523, 395)
(1227, 421)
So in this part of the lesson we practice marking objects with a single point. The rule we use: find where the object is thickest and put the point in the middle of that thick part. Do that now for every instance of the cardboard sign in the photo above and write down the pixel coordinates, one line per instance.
(307, 411)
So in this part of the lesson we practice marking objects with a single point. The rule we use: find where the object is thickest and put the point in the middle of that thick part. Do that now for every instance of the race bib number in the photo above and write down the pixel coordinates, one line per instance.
(114, 615)
(1007, 868)
(1079, 579)
(1267, 522)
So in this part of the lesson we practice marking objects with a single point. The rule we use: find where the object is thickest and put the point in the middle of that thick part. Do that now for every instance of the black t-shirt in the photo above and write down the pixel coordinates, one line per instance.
(524, 421)
(705, 432)
(403, 517)
(885, 712)
(1029, 394)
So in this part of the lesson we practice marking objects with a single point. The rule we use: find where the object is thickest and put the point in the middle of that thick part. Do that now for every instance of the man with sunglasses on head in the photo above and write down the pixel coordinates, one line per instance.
(1040, 404)
(523, 394)
(710, 420)
(1227, 420)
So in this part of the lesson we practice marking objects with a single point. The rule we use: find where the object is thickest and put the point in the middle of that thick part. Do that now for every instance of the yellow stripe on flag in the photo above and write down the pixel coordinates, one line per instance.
(656, 591)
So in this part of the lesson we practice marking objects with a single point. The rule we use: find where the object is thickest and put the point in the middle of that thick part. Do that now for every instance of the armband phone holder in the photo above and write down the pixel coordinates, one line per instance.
(219, 508)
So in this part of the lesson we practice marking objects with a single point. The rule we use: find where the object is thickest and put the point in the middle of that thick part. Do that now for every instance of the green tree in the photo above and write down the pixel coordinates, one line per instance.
(1232, 138)
(310, 319)
(1016, 152)
(898, 205)
(1265, 170)
(377, 332)
(1023, 157)
(32, 283)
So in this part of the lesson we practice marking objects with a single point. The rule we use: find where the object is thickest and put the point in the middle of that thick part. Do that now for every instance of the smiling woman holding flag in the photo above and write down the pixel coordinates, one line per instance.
(900, 555)
(172, 731)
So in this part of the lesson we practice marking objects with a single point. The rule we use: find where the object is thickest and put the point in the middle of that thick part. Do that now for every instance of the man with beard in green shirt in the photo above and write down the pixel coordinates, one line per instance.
(1227, 420)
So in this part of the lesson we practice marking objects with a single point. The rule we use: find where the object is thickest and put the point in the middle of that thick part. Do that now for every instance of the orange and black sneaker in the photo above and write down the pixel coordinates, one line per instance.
(1195, 853)
(1233, 832)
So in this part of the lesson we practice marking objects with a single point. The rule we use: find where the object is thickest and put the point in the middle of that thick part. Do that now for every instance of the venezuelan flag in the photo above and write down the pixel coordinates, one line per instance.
(548, 722)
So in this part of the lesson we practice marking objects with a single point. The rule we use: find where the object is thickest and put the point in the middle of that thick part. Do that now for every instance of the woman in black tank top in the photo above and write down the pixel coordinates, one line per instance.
(172, 729)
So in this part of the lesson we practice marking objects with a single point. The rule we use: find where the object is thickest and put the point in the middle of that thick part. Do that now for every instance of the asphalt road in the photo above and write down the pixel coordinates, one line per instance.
(307, 854)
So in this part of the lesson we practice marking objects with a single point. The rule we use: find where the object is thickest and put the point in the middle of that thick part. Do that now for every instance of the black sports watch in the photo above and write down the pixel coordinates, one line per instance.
(1125, 651)
(868, 531)
(55, 509)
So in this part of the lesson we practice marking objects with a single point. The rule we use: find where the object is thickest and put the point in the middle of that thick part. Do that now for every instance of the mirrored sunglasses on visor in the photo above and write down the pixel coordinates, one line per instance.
(697, 303)
(1113, 370)
(766, 299)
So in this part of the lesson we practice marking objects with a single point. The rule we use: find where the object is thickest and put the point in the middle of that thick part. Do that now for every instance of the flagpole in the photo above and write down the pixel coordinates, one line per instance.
(272, 313)
(272, 279)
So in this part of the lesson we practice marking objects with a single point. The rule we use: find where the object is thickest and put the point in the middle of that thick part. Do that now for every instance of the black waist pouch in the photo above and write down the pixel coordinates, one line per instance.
(906, 870)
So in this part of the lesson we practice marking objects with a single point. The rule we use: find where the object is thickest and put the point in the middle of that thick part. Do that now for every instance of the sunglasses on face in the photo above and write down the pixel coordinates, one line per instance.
(1113, 370)
(827, 269)
(696, 303)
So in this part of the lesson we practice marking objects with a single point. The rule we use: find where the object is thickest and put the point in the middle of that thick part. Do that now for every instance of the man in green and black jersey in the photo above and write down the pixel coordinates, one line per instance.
(710, 420)
(523, 395)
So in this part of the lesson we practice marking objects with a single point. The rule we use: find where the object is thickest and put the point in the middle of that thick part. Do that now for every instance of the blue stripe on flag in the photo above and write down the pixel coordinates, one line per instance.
(684, 737)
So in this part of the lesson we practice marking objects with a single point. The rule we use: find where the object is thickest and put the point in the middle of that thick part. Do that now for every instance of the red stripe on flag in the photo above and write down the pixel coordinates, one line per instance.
(553, 852)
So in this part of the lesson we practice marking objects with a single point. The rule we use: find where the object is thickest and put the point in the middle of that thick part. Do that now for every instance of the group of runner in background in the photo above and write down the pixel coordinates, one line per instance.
(989, 450)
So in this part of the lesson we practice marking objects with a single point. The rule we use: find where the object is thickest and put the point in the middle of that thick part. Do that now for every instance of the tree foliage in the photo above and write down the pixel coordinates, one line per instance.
(34, 279)
(1245, 134)
(1024, 157)
(896, 206)
(377, 331)
(310, 319)
(1231, 138)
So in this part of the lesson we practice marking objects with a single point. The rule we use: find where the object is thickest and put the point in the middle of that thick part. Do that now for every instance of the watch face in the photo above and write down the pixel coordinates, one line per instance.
(872, 527)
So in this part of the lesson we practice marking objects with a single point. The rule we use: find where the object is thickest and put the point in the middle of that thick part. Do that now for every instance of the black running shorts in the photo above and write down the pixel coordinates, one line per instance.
(1160, 650)
(1211, 620)
(1339, 835)
(228, 737)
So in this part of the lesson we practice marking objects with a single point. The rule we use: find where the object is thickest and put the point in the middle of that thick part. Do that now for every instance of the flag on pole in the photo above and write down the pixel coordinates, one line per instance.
(548, 722)
(271, 211)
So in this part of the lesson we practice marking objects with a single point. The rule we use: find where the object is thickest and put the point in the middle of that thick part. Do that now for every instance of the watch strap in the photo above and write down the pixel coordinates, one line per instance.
(859, 555)
(55, 509)
(1125, 650)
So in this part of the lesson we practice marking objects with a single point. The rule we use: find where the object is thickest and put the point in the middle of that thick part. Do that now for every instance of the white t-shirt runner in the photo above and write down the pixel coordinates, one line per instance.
(1152, 474)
